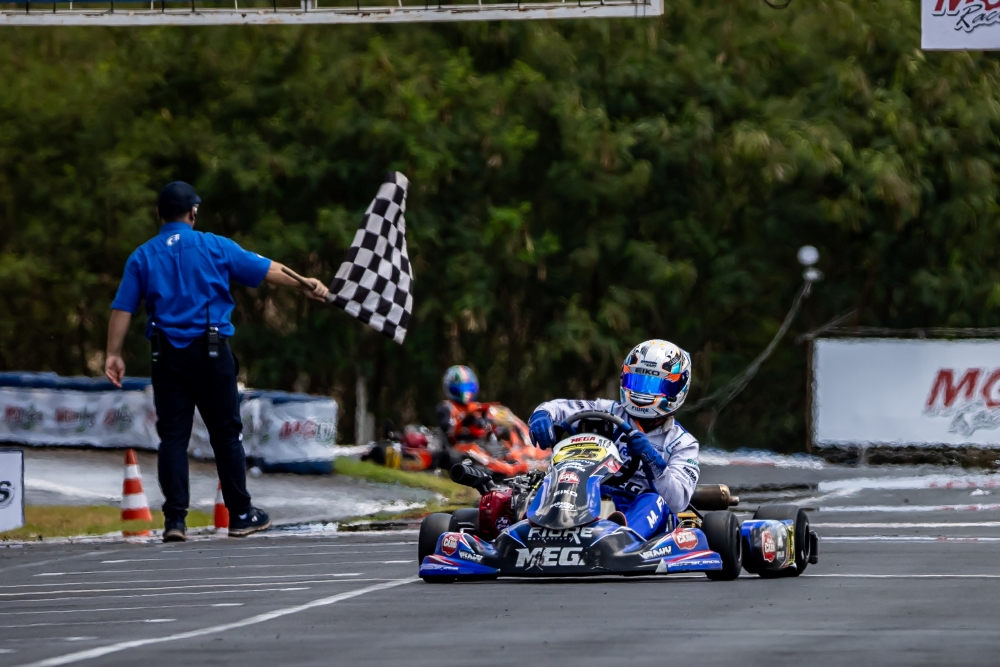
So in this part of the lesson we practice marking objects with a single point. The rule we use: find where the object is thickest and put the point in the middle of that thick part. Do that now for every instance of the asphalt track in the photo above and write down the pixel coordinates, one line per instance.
(913, 589)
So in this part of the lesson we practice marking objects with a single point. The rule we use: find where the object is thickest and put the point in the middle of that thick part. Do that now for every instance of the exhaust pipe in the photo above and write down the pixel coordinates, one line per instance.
(712, 497)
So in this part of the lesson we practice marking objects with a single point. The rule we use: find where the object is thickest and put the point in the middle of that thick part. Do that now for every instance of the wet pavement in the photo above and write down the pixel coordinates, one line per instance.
(907, 576)
(94, 477)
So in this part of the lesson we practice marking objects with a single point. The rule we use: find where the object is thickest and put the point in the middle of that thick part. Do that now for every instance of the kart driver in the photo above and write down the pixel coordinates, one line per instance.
(655, 380)
(460, 417)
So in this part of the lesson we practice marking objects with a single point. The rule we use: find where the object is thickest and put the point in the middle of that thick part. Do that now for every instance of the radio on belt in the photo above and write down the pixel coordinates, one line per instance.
(212, 336)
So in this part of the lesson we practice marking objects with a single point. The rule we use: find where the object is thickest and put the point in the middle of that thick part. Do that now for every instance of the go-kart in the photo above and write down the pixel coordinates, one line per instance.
(500, 445)
(556, 524)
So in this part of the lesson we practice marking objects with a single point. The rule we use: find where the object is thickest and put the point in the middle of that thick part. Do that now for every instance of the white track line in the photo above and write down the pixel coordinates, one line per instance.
(907, 538)
(231, 591)
(214, 568)
(905, 576)
(128, 587)
(322, 545)
(56, 560)
(901, 524)
(187, 558)
(911, 508)
(160, 595)
(90, 654)
(171, 581)
(118, 609)
(65, 623)
(944, 482)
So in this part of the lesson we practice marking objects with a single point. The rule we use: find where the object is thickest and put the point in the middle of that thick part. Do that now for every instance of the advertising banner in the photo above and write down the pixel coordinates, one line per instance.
(68, 417)
(296, 435)
(286, 432)
(11, 489)
(906, 392)
(959, 25)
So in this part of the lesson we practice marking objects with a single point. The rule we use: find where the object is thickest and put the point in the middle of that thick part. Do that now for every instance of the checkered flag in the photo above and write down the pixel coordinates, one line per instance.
(375, 283)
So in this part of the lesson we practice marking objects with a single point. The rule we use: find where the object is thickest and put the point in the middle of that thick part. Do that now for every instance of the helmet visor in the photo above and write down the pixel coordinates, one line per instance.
(464, 387)
(649, 384)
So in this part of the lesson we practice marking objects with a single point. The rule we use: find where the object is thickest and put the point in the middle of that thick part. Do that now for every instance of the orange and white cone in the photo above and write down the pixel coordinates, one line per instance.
(221, 513)
(135, 507)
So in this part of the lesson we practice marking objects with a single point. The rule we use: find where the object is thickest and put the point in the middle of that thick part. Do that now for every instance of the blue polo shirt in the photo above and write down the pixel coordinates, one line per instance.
(184, 276)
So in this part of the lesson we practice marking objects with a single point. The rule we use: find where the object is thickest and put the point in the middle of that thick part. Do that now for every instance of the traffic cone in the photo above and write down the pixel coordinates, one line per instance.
(135, 507)
(221, 513)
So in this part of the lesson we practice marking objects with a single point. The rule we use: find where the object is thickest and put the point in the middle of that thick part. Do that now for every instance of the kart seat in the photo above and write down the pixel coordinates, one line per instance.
(619, 518)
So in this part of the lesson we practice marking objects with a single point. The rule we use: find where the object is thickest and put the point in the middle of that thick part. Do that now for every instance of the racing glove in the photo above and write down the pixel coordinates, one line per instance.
(640, 446)
(542, 432)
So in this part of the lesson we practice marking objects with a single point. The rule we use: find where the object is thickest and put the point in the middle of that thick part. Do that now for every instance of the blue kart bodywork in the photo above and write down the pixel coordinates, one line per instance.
(563, 531)
(601, 548)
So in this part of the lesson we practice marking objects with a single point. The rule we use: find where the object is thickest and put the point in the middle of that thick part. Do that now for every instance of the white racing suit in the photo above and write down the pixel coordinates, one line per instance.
(669, 481)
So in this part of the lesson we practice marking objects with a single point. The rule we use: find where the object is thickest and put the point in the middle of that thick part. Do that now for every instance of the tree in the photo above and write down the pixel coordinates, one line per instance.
(578, 187)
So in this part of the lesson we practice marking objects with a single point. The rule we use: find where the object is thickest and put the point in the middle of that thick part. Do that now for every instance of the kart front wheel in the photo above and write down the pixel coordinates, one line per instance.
(801, 540)
(431, 528)
(723, 533)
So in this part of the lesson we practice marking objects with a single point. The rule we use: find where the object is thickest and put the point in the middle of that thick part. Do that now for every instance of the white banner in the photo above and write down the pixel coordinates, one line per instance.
(293, 434)
(906, 392)
(67, 417)
(11, 489)
(958, 25)
(287, 432)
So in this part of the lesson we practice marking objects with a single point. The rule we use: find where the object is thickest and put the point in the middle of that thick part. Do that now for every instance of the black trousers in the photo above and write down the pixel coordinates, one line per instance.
(183, 379)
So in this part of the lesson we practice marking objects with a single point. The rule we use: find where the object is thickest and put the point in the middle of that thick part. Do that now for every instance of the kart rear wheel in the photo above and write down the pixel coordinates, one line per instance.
(801, 540)
(431, 528)
(723, 533)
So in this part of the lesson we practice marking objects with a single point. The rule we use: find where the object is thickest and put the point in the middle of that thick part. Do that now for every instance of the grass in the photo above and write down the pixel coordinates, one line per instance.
(70, 521)
(456, 494)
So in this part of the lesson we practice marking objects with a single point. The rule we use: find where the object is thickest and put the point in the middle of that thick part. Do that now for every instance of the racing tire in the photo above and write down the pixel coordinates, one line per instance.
(723, 533)
(465, 521)
(801, 539)
(446, 459)
(431, 528)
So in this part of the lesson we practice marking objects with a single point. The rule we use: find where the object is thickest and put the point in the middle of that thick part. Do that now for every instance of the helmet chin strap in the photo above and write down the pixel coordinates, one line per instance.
(647, 425)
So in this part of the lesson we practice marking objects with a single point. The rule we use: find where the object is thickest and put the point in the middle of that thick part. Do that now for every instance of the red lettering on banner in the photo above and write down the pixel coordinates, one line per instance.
(945, 383)
(992, 397)
(954, 5)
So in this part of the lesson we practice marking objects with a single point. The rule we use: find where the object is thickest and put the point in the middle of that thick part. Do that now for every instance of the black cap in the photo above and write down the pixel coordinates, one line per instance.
(176, 199)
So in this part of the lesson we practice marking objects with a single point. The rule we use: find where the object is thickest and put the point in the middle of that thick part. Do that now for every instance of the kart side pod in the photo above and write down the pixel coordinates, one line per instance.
(713, 497)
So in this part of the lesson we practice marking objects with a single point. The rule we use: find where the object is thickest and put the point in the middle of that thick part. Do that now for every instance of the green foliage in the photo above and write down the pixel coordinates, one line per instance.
(453, 493)
(578, 187)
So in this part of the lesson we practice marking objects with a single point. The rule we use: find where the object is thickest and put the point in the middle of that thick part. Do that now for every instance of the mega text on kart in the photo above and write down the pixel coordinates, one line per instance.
(552, 524)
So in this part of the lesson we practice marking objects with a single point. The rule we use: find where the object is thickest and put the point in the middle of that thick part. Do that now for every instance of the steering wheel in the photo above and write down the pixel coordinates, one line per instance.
(628, 469)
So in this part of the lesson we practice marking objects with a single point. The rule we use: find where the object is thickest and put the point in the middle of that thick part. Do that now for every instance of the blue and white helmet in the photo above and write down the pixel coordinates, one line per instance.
(656, 377)
(460, 384)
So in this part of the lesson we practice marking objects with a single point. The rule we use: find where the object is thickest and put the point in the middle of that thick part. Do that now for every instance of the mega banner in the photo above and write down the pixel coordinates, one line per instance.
(960, 25)
(906, 392)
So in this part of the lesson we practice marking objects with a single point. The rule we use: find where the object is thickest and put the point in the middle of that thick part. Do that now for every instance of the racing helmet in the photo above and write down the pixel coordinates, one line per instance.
(656, 377)
(460, 384)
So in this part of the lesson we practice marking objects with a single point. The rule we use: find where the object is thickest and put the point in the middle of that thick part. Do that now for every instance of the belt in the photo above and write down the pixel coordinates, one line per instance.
(213, 343)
